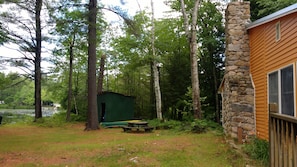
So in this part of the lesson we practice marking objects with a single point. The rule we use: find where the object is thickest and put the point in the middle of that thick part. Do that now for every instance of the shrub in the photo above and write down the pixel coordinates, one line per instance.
(194, 126)
(57, 120)
(199, 126)
(258, 149)
(164, 124)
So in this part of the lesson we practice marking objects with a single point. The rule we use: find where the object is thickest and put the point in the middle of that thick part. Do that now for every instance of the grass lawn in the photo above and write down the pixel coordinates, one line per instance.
(29, 145)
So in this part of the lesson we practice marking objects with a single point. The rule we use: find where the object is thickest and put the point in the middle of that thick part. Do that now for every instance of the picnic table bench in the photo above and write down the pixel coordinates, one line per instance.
(137, 126)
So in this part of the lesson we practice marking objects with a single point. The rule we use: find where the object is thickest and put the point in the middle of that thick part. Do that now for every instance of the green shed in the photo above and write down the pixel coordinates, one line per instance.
(115, 107)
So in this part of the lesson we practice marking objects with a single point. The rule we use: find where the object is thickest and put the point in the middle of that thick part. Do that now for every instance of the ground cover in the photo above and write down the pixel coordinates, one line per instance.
(31, 145)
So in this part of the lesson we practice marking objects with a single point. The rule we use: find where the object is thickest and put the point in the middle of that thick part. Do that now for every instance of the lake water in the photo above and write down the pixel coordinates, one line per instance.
(46, 111)
(15, 115)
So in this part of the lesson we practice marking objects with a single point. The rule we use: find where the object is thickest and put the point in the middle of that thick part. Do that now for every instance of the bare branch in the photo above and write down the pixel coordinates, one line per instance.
(186, 20)
(194, 14)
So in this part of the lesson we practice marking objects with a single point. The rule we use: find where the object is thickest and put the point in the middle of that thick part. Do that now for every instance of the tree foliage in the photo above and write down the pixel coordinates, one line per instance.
(261, 8)
(211, 38)
(24, 96)
(129, 59)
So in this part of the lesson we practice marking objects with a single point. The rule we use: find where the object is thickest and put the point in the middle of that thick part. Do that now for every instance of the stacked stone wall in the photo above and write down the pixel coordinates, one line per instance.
(238, 91)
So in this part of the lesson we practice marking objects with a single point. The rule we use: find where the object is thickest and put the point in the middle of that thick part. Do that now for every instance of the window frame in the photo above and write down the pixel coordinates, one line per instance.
(278, 31)
(278, 71)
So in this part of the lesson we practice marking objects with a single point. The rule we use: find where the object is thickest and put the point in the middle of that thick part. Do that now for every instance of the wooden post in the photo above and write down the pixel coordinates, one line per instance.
(239, 134)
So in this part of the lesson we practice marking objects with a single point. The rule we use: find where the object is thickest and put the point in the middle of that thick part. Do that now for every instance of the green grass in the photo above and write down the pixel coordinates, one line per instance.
(68, 145)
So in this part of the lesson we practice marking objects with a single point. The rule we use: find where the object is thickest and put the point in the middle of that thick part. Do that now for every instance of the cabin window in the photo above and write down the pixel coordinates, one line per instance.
(287, 91)
(281, 90)
(273, 88)
(277, 30)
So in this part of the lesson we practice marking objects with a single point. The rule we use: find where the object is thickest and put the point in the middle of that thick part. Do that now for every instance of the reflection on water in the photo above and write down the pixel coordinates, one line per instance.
(16, 115)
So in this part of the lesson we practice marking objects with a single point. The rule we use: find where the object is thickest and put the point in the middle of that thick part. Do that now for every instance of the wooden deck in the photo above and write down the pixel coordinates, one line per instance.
(282, 140)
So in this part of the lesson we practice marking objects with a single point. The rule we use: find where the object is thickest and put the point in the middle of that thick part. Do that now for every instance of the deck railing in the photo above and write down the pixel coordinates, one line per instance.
(282, 140)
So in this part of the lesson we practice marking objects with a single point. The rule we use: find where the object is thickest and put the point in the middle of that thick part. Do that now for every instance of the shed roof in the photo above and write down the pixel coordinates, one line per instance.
(283, 12)
(108, 92)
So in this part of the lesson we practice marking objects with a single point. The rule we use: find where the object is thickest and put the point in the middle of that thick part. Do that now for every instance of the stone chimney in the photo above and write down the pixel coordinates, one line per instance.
(237, 88)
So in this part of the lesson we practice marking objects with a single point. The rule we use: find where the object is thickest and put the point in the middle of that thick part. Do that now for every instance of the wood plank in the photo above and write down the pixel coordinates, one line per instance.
(294, 145)
(282, 141)
(286, 143)
(272, 141)
(291, 147)
(282, 136)
(276, 142)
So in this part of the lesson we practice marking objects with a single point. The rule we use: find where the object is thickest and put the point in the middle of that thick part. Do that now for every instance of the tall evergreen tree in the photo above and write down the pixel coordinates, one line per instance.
(28, 38)
(92, 117)
(37, 61)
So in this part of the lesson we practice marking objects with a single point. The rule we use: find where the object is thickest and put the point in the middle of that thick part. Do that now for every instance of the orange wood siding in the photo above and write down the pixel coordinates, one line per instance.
(268, 55)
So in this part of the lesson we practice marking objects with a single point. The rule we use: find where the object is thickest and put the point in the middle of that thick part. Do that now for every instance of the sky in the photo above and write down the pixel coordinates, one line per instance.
(132, 6)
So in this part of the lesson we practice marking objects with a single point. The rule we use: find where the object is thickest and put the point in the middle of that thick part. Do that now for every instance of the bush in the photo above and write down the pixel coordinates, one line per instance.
(164, 124)
(258, 149)
(57, 120)
(195, 126)
(199, 126)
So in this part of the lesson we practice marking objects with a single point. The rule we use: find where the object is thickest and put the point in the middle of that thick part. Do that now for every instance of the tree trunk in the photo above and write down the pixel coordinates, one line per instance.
(101, 75)
(152, 93)
(214, 73)
(195, 77)
(69, 105)
(37, 77)
(155, 70)
(92, 117)
(192, 38)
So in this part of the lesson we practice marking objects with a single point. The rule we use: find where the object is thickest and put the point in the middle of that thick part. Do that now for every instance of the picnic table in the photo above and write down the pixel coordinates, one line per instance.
(137, 126)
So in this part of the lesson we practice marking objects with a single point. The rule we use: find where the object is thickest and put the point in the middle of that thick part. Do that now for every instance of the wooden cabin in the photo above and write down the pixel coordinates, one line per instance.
(260, 83)
(260, 69)
(273, 58)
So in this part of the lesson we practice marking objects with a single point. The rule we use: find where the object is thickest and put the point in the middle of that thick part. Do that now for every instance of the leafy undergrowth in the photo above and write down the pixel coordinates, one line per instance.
(194, 126)
(258, 149)
(69, 145)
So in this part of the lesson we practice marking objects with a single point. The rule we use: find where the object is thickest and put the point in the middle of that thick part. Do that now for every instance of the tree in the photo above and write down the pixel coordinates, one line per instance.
(37, 61)
(11, 82)
(175, 71)
(211, 38)
(3, 36)
(101, 75)
(28, 38)
(155, 70)
(131, 58)
(69, 20)
(69, 105)
(191, 33)
(92, 117)
(70, 52)
(261, 8)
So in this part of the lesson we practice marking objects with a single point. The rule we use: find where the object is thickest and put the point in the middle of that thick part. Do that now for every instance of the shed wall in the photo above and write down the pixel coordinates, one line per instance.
(117, 107)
